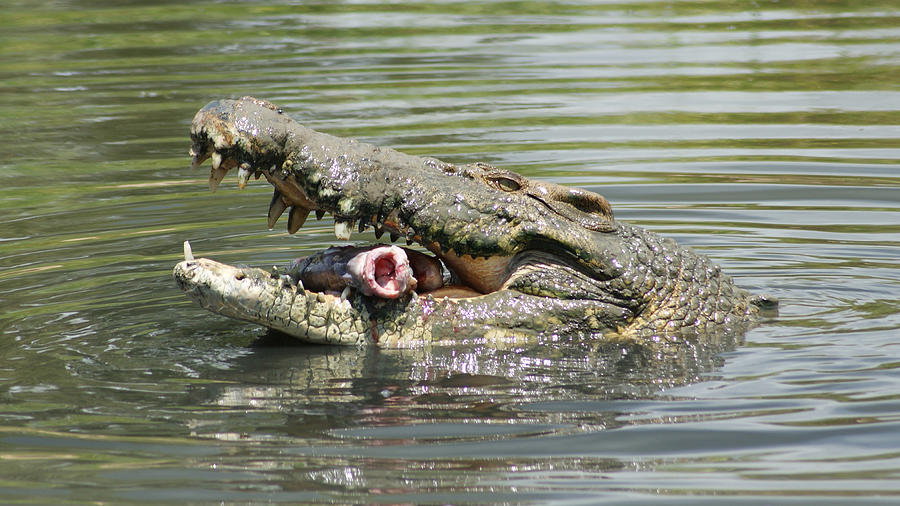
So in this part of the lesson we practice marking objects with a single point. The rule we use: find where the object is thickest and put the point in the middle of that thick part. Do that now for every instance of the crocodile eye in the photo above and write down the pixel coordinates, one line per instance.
(506, 184)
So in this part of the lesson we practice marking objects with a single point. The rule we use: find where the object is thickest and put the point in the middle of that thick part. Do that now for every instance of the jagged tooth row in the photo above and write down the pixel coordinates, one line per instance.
(342, 228)
(298, 214)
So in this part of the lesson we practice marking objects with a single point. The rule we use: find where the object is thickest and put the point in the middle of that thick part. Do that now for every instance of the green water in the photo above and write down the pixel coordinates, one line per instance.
(764, 134)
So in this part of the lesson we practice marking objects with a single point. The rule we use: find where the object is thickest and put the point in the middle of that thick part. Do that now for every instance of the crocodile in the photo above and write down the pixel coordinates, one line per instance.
(507, 259)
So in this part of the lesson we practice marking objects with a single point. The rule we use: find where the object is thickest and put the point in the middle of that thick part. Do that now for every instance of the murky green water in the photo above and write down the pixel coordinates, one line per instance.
(764, 134)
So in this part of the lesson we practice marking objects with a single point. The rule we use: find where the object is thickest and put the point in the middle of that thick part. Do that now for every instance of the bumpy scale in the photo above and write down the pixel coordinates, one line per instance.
(506, 259)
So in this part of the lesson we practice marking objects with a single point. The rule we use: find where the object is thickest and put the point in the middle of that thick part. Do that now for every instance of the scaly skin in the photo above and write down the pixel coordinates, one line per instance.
(526, 258)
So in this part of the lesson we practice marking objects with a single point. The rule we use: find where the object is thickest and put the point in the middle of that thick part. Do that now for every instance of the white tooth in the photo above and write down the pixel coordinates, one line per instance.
(216, 160)
(188, 254)
(345, 293)
(342, 230)
(243, 175)
(300, 285)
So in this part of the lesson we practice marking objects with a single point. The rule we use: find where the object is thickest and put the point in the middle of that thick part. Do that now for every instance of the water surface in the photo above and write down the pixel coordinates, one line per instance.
(764, 134)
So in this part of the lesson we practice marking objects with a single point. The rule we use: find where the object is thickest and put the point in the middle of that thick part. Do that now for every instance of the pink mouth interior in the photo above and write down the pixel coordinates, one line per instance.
(383, 272)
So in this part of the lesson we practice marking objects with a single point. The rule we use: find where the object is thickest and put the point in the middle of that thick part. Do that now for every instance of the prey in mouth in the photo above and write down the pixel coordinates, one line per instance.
(498, 257)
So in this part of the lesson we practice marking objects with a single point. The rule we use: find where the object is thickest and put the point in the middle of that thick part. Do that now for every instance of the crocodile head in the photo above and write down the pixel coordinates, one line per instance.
(522, 257)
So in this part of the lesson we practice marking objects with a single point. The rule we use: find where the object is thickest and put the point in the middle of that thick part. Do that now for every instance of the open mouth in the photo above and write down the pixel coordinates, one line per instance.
(380, 270)
(482, 230)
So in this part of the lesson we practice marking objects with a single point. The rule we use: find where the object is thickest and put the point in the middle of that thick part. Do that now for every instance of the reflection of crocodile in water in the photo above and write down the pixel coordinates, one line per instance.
(513, 258)
(528, 387)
